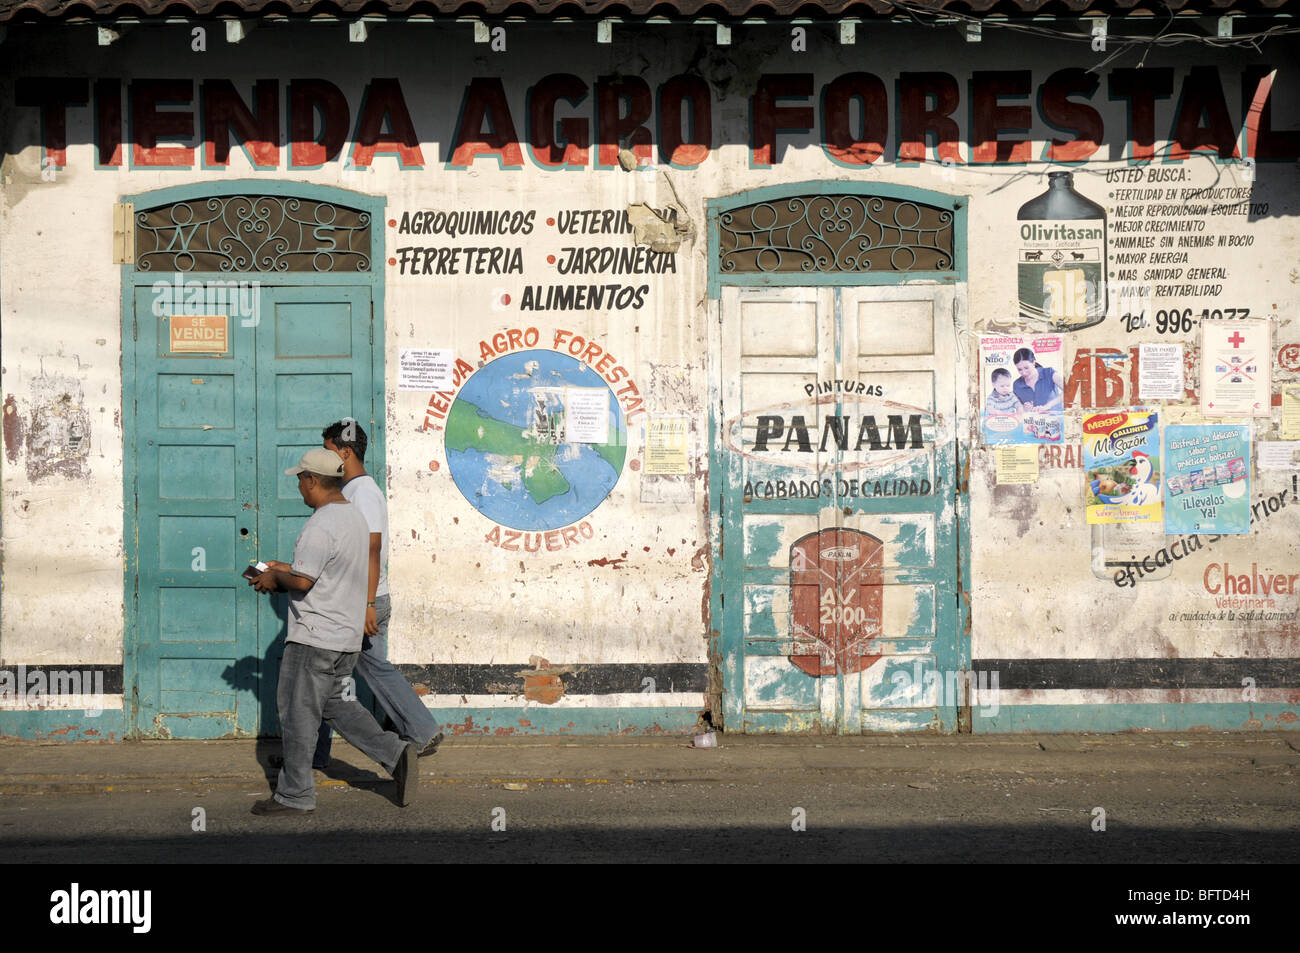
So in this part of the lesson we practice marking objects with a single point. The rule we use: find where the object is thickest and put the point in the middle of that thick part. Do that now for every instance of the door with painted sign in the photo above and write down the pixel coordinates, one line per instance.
(231, 377)
(839, 508)
(194, 427)
(216, 431)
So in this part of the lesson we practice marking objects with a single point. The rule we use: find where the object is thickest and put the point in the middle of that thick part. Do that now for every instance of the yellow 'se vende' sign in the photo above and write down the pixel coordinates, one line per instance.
(200, 333)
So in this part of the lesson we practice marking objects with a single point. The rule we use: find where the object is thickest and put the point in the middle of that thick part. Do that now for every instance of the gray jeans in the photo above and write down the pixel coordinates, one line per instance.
(311, 688)
(391, 689)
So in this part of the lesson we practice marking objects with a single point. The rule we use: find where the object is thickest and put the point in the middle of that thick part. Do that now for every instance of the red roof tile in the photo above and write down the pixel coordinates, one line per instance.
(45, 10)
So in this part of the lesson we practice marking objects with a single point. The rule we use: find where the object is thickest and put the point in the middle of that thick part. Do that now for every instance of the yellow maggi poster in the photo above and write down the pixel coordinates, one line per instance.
(1121, 459)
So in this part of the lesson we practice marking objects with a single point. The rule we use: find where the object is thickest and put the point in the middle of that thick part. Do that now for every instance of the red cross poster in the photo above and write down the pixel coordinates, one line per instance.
(1236, 364)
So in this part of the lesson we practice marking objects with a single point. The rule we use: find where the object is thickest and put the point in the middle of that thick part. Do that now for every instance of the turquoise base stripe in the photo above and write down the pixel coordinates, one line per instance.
(1155, 717)
(63, 725)
(111, 725)
(566, 721)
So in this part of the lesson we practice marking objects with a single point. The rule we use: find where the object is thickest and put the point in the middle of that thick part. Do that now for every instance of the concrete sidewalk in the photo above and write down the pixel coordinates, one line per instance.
(36, 768)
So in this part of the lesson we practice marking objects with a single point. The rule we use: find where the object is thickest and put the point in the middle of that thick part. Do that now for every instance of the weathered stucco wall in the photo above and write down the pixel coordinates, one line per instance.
(631, 584)
(63, 594)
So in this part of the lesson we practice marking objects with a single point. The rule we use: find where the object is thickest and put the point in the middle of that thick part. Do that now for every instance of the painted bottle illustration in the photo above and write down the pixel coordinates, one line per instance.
(1062, 257)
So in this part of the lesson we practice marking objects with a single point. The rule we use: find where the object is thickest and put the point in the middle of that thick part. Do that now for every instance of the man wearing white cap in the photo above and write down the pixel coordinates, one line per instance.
(327, 585)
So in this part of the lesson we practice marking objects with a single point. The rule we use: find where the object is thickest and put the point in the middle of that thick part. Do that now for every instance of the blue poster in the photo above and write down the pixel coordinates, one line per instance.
(1207, 480)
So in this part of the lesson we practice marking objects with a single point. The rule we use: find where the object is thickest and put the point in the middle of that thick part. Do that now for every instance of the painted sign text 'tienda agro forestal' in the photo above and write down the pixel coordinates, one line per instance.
(570, 122)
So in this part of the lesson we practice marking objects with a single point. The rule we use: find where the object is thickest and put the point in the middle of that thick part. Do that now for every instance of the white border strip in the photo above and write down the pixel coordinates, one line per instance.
(1143, 696)
(88, 703)
(614, 700)
(93, 703)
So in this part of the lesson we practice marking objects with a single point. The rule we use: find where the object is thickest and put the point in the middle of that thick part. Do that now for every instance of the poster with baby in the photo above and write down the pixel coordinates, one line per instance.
(1121, 460)
(1022, 386)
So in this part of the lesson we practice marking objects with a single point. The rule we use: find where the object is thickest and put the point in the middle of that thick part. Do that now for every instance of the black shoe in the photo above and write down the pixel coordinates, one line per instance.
(432, 746)
(407, 775)
(272, 806)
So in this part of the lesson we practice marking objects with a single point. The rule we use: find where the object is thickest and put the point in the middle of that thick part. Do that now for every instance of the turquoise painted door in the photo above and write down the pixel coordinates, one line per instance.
(214, 432)
(196, 489)
(839, 535)
(313, 368)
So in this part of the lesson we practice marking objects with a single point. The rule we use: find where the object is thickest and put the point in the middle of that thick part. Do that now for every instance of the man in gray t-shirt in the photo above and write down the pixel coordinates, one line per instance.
(331, 550)
(327, 585)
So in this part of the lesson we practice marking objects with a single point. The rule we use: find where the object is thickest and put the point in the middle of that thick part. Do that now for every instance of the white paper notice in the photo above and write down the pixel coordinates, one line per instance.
(1235, 366)
(666, 451)
(425, 370)
(1160, 372)
(1279, 455)
(1016, 464)
(586, 415)
(1290, 413)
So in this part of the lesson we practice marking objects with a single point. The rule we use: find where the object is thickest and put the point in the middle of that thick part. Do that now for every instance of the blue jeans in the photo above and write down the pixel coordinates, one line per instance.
(414, 721)
(312, 686)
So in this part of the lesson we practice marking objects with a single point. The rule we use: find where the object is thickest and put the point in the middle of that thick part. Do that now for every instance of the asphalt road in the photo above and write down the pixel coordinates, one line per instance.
(1023, 811)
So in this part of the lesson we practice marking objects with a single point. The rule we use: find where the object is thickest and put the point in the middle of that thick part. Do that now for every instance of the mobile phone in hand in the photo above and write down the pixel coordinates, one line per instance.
(252, 572)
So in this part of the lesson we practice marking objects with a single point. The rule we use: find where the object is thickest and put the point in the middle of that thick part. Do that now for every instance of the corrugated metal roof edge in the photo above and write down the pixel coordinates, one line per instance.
(107, 11)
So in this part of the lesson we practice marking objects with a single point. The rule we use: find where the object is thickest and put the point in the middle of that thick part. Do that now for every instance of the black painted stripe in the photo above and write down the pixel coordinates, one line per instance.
(27, 678)
(452, 679)
(1141, 673)
(606, 679)
(583, 680)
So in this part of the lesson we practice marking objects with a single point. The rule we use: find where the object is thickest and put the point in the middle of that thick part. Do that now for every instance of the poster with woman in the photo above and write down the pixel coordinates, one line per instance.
(1207, 489)
(1121, 459)
(1022, 388)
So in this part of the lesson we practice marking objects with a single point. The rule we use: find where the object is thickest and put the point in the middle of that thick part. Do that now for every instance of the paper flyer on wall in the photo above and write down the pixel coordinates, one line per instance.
(425, 369)
(1022, 388)
(1121, 459)
(1207, 479)
(666, 449)
(1160, 371)
(1236, 366)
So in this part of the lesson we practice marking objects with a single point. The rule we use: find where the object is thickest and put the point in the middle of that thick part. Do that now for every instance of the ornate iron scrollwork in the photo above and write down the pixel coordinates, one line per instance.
(835, 233)
(257, 233)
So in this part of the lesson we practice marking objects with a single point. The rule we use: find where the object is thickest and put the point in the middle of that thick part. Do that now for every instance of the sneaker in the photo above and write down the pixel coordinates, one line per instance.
(271, 806)
(432, 746)
(407, 774)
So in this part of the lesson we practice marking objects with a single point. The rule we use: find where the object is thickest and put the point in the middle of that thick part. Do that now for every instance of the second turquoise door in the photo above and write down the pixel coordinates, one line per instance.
(836, 467)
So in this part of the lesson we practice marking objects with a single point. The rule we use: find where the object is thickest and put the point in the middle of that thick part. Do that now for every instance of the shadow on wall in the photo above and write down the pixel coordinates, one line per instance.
(258, 678)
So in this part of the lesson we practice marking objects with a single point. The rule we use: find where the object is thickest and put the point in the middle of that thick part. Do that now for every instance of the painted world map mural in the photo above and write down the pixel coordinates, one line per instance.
(509, 448)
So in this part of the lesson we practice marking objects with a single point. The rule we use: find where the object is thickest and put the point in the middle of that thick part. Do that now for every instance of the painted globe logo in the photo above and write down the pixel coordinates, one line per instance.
(509, 446)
